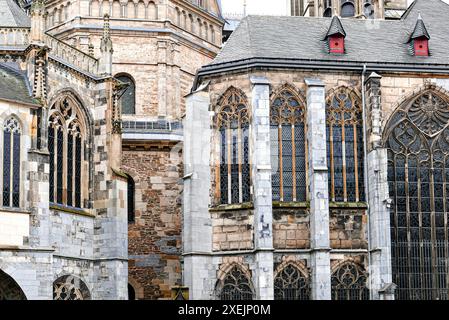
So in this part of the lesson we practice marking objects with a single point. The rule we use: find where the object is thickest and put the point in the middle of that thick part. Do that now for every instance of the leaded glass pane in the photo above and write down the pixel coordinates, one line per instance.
(287, 168)
(235, 174)
(236, 286)
(275, 165)
(338, 163)
(16, 171)
(6, 167)
(59, 165)
(51, 149)
(246, 179)
(291, 284)
(128, 100)
(70, 159)
(223, 168)
(78, 173)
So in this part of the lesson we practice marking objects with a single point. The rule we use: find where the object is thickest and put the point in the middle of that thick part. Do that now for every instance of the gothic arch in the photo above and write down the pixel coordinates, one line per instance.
(349, 281)
(417, 141)
(234, 283)
(9, 289)
(69, 287)
(291, 281)
(128, 100)
(288, 133)
(344, 131)
(232, 144)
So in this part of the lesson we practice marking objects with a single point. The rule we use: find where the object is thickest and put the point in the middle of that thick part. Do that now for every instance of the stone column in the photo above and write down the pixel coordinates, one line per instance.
(262, 194)
(378, 196)
(197, 223)
(162, 78)
(319, 193)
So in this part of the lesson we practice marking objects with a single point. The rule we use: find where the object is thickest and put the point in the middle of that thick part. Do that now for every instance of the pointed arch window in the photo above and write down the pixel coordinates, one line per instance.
(417, 140)
(345, 146)
(236, 285)
(349, 282)
(288, 146)
(128, 99)
(11, 163)
(66, 144)
(291, 284)
(347, 8)
(232, 122)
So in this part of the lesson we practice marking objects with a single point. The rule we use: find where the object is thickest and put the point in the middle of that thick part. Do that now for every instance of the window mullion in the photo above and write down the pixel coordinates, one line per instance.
(356, 163)
(229, 143)
(11, 168)
(343, 156)
(240, 160)
(331, 146)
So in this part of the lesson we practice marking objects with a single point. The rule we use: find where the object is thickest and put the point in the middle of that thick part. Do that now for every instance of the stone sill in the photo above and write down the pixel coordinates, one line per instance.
(14, 210)
(71, 210)
(348, 205)
(291, 204)
(231, 207)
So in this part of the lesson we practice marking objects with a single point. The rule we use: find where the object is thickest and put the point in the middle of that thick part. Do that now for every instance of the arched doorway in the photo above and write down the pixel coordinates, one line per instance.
(9, 289)
(131, 292)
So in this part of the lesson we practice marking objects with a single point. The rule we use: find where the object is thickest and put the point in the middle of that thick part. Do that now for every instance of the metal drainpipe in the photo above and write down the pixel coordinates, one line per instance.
(365, 169)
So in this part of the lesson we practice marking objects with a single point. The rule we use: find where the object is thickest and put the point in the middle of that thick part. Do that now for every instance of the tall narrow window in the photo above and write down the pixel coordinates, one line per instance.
(345, 146)
(128, 100)
(66, 148)
(418, 178)
(288, 146)
(131, 194)
(235, 286)
(347, 8)
(11, 163)
(232, 122)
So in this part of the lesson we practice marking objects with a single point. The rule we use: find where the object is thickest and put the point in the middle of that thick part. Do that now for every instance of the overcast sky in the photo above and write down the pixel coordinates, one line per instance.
(273, 7)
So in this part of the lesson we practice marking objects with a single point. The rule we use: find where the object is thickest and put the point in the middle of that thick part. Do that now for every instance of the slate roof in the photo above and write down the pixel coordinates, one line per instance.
(14, 85)
(11, 15)
(335, 28)
(367, 41)
(420, 30)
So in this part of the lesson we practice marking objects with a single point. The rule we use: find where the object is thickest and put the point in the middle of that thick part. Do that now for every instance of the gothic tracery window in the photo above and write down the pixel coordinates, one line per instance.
(70, 288)
(66, 137)
(232, 122)
(235, 286)
(288, 146)
(417, 141)
(349, 282)
(11, 163)
(345, 146)
(291, 284)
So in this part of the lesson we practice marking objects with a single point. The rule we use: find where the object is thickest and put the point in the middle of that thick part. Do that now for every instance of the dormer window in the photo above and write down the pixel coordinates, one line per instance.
(335, 37)
(421, 46)
(419, 39)
(337, 44)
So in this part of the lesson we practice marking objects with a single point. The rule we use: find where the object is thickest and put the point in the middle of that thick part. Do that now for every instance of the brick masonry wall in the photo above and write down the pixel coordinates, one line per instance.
(348, 229)
(155, 237)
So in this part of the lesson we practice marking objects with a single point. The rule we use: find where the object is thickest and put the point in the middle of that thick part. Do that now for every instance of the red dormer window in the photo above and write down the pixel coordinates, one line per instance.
(337, 44)
(421, 46)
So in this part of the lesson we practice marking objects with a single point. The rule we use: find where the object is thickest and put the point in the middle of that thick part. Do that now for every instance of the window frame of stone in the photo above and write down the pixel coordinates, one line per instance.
(69, 287)
(127, 78)
(11, 156)
(417, 142)
(353, 271)
(237, 282)
(287, 115)
(288, 287)
(67, 140)
(337, 110)
(233, 105)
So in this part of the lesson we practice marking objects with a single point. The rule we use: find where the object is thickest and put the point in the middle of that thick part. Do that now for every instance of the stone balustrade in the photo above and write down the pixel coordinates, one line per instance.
(14, 37)
(71, 55)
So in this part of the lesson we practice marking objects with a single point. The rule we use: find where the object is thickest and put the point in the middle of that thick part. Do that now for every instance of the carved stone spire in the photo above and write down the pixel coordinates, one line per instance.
(106, 48)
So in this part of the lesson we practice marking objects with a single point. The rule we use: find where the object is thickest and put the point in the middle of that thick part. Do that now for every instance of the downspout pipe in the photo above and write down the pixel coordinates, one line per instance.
(365, 181)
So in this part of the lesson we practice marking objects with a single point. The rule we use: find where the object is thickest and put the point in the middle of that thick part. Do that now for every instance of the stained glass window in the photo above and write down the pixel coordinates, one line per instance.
(345, 146)
(235, 286)
(288, 146)
(290, 283)
(11, 163)
(349, 282)
(418, 179)
(66, 148)
(232, 122)
(128, 100)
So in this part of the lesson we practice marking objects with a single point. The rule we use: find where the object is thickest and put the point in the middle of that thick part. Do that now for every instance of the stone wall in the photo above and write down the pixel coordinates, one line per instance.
(232, 230)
